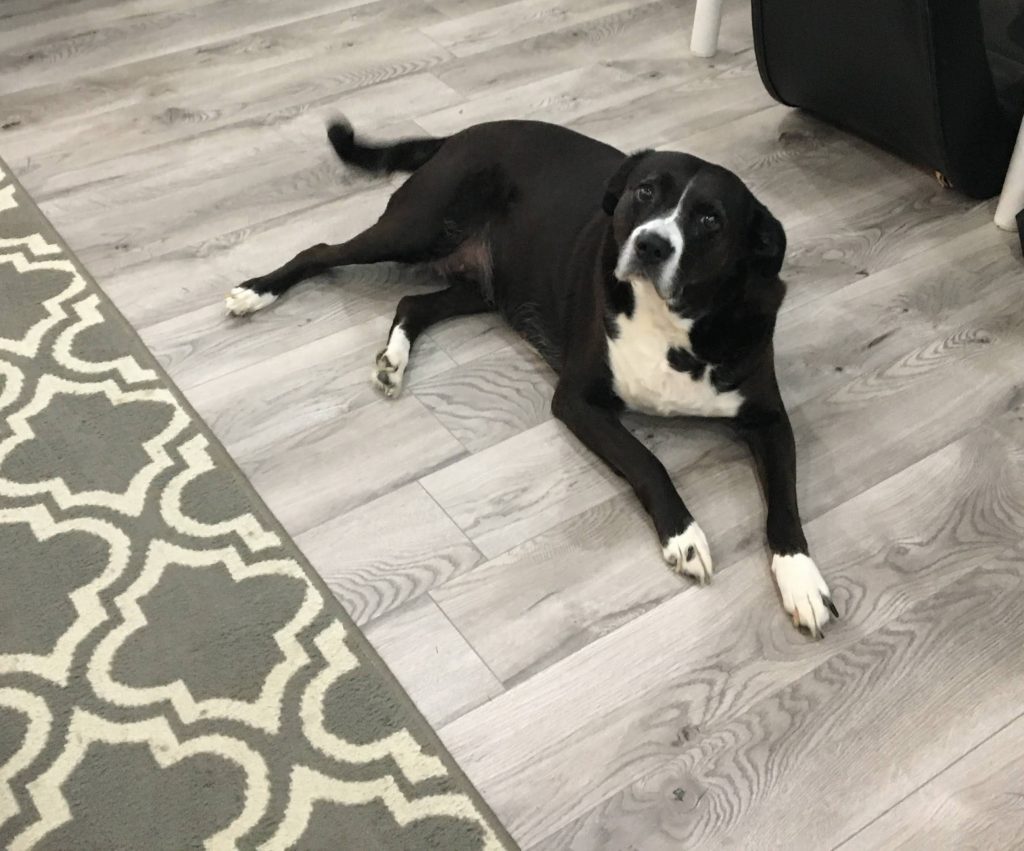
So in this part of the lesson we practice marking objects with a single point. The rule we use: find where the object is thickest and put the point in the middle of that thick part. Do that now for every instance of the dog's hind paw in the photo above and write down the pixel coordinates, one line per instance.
(688, 553)
(243, 300)
(389, 368)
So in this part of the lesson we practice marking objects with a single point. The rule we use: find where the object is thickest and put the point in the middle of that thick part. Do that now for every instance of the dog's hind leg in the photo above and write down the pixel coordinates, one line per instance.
(415, 314)
(403, 234)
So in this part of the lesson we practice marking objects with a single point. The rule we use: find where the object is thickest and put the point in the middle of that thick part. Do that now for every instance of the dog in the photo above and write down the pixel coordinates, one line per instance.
(649, 282)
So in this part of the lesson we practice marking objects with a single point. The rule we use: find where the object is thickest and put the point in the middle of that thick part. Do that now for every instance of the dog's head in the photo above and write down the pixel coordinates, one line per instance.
(689, 227)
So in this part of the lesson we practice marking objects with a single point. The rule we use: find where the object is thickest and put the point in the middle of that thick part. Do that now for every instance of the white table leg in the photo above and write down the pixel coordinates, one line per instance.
(706, 22)
(1011, 200)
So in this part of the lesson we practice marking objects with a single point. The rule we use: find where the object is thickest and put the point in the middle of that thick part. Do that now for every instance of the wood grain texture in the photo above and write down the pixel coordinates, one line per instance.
(435, 665)
(478, 32)
(560, 99)
(707, 656)
(722, 788)
(512, 582)
(388, 553)
(559, 591)
(492, 398)
(334, 369)
(314, 476)
(472, 337)
(533, 480)
(55, 56)
(974, 804)
(636, 39)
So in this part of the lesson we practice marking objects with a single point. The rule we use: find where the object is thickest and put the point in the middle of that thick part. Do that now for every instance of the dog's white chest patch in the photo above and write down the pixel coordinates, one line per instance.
(641, 373)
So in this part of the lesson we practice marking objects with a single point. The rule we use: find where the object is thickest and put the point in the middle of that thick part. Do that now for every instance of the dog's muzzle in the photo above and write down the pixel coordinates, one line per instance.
(651, 250)
(649, 255)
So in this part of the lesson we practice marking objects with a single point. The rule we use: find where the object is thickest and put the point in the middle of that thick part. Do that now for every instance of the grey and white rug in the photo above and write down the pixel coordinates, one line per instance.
(172, 673)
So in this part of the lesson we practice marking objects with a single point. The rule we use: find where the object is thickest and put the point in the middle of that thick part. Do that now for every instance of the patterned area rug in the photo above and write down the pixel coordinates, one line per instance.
(172, 673)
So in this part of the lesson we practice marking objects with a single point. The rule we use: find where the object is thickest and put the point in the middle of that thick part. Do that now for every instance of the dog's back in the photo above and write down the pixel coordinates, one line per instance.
(510, 195)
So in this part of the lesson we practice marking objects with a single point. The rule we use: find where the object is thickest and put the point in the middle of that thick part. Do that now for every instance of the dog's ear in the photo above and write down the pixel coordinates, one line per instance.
(767, 242)
(617, 184)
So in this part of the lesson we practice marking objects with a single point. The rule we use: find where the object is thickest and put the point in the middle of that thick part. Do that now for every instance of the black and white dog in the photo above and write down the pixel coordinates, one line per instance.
(649, 282)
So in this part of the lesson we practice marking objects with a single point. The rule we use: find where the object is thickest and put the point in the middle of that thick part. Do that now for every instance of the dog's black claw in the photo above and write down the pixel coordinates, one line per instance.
(690, 553)
(830, 606)
(810, 631)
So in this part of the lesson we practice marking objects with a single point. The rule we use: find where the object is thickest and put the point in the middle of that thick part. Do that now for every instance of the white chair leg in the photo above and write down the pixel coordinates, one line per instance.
(707, 20)
(1011, 200)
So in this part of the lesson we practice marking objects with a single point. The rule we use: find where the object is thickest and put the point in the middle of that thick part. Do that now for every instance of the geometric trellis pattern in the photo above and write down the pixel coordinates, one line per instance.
(171, 675)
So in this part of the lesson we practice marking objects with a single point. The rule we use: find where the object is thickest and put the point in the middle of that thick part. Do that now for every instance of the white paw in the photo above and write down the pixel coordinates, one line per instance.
(242, 300)
(688, 553)
(389, 369)
(804, 593)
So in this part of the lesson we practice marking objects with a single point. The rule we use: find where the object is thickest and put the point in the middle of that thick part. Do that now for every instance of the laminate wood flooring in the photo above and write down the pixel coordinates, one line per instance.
(512, 582)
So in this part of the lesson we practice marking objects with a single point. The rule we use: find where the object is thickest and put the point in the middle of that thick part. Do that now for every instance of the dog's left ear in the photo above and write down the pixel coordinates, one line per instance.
(617, 184)
(767, 242)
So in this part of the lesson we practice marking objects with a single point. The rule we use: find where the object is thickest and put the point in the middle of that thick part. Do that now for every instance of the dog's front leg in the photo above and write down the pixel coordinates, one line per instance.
(805, 596)
(684, 545)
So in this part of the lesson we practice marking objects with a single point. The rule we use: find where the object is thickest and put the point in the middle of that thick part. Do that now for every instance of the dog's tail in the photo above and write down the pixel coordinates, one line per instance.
(404, 155)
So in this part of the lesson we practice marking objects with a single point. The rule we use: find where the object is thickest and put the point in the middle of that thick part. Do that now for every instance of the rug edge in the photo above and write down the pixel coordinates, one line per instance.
(424, 729)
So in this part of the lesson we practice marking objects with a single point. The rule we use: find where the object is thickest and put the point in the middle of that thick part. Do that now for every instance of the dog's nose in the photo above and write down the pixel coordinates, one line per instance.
(652, 248)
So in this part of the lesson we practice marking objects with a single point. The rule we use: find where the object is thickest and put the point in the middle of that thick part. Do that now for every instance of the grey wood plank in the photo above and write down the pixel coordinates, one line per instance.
(341, 44)
(973, 804)
(27, 20)
(506, 494)
(561, 590)
(555, 51)
(223, 218)
(678, 110)
(388, 553)
(490, 399)
(55, 56)
(707, 655)
(642, 40)
(435, 665)
(718, 791)
(20, 13)
(481, 31)
(224, 180)
(458, 8)
(322, 472)
(58, 16)
(472, 337)
(303, 386)
(559, 98)
(266, 99)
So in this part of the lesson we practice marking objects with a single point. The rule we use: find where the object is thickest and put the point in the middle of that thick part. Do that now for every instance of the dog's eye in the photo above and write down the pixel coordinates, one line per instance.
(710, 222)
(644, 192)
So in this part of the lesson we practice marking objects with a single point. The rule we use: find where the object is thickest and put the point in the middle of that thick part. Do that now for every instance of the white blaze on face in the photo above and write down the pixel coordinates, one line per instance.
(667, 227)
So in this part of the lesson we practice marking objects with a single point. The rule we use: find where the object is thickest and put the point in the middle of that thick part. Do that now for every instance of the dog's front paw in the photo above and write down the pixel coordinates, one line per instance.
(389, 368)
(805, 596)
(243, 300)
(688, 553)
